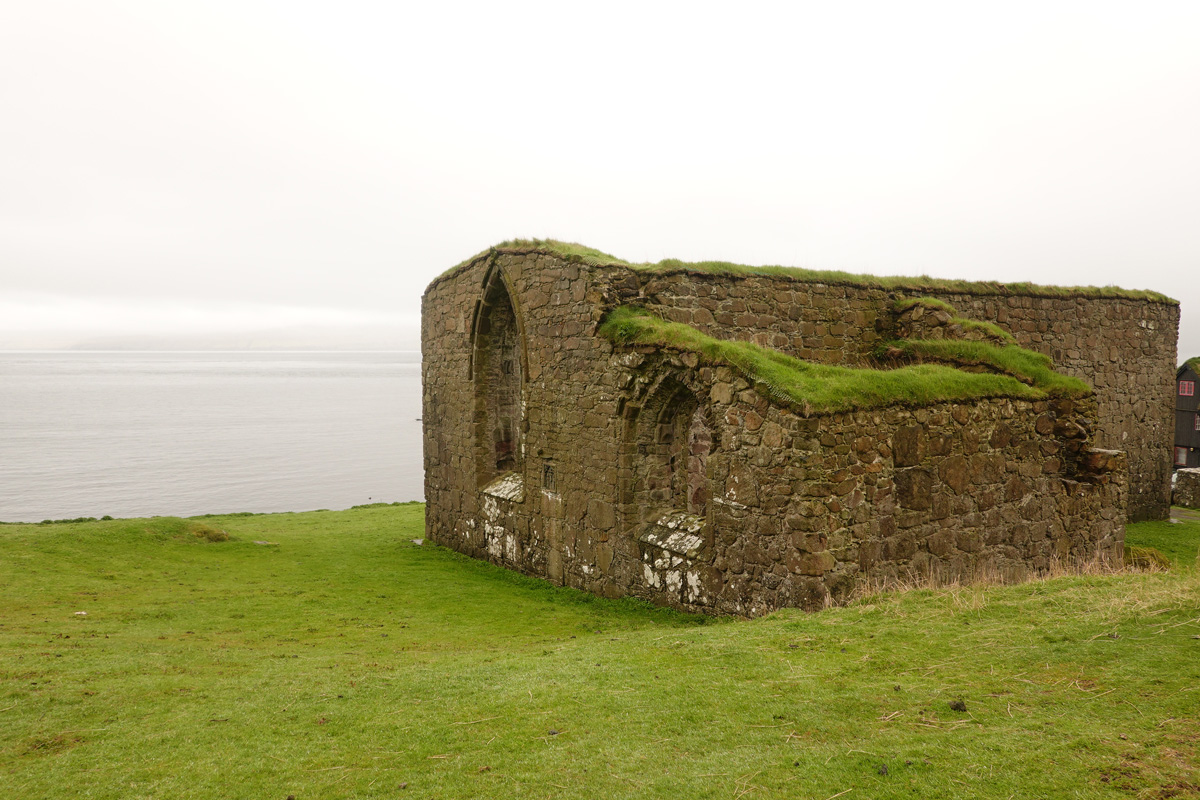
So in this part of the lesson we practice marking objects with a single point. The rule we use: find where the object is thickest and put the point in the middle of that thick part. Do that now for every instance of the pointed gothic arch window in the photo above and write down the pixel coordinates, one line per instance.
(498, 374)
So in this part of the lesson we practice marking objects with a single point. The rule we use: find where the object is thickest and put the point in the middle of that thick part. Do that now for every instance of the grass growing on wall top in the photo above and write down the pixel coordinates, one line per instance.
(914, 283)
(569, 251)
(1026, 365)
(817, 388)
(934, 303)
(342, 661)
(578, 253)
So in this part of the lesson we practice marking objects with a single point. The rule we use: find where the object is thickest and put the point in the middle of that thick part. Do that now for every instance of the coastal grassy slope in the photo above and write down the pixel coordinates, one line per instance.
(339, 659)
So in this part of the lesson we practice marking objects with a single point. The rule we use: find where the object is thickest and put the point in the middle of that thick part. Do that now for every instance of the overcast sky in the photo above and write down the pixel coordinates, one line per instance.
(209, 167)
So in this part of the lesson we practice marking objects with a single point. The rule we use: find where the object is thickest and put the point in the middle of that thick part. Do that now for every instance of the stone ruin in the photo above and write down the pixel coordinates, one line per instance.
(1187, 487)
(677, 474)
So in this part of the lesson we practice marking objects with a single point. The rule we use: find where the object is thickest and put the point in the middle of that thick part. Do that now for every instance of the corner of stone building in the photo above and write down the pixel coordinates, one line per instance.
(792, 511)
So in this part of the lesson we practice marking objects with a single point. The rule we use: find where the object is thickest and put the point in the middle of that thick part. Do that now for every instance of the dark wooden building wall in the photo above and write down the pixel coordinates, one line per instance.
(1186, 409)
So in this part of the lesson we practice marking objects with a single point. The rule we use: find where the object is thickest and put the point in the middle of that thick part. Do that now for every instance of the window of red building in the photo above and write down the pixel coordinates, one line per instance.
(1187, 388)
(1181, 456)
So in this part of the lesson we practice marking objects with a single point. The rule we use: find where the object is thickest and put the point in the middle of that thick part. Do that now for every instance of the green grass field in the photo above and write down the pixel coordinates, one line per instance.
(342, 661)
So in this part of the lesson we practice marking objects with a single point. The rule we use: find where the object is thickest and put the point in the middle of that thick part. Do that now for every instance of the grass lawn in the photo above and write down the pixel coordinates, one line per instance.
(343, 661)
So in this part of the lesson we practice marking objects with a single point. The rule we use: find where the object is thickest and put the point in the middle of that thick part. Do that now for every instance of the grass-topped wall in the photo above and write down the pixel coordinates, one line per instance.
(989, 329)
(819, 388)
(582, 254)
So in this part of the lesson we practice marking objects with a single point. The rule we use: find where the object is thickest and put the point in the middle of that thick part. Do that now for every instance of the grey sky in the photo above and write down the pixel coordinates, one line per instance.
(188, 167)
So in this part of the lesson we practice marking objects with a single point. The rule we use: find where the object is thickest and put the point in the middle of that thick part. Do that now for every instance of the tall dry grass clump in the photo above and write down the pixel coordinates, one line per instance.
(1136, 560)
(207, 532)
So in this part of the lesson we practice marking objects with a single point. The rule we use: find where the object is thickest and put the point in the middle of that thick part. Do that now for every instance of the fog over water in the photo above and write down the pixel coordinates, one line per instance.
(278, 175)
(137, 434)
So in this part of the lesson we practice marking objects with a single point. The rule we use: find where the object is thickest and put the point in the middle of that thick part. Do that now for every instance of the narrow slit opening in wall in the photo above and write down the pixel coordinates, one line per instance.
(549, 481)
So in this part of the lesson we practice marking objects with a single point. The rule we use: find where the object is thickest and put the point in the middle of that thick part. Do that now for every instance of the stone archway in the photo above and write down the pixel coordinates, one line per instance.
(498, 371)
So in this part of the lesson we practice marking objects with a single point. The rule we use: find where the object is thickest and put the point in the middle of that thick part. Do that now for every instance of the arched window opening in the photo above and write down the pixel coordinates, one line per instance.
(498, 376)
(673, 444)
(699, 445)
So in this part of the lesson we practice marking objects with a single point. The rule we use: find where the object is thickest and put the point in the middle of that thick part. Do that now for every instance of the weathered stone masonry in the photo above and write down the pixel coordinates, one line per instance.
(1123, 348)
(642, 472)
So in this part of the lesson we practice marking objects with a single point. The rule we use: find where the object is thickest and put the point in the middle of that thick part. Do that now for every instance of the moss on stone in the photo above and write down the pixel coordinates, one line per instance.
(568, 251)
(1034, 369)
(903, 283)
(819, 388)
(934, 304)
(990, 328)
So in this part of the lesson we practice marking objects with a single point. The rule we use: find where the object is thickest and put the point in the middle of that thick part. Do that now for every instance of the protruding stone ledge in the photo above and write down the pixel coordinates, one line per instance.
(510, 486)
(677, 532)
(1103, 465)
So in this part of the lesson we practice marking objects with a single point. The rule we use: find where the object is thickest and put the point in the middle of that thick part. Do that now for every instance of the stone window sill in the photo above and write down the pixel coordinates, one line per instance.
(510, 486)
(677, 532)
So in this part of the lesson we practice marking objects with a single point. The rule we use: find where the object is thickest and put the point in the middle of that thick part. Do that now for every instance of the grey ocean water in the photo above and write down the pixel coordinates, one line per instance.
(136, 434)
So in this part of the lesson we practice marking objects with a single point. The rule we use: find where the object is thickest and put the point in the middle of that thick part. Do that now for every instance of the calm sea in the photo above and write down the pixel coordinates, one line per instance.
(136, 434)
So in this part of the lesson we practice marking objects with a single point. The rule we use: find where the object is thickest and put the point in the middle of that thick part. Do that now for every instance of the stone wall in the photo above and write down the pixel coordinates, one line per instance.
(1187, 488)
(649, 474)
(805, 509)
(1124, 348)
(568, 434)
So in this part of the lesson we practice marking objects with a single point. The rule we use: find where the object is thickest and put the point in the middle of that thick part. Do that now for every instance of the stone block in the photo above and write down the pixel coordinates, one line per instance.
(955, 473)
(914, 487)
(908, 446)
(815, 564)
(600, 514)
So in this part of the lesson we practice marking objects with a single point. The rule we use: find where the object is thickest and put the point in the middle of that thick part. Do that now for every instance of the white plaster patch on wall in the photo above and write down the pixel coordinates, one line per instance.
(677, 532)
(674, 581)
(492, 528)
(491, 515)
(464, 527)
(730, 503)
(731, 493)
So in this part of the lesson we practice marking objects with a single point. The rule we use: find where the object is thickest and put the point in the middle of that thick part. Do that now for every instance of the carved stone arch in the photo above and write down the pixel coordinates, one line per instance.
(499, 369)
(496, 288)
(668, 440)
